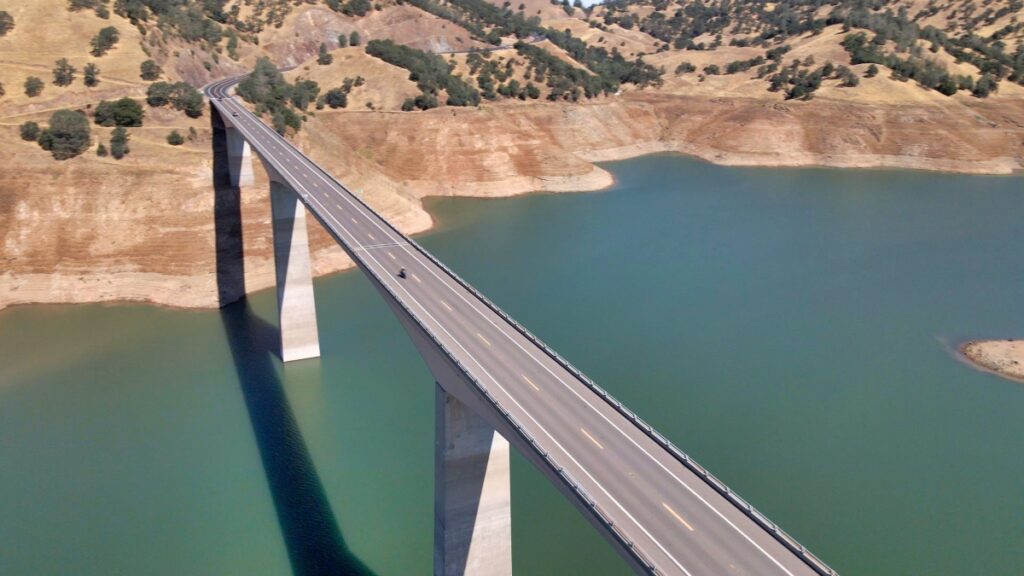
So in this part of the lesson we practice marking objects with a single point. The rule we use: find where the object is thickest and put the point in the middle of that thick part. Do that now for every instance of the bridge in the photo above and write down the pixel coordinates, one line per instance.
(496, 386)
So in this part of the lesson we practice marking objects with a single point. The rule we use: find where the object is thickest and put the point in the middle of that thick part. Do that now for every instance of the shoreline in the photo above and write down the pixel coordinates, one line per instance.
(1003, 358)
(194, 291)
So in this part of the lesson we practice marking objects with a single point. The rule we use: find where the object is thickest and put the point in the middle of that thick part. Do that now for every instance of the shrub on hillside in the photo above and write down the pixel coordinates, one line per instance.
(267, 89)
(67, 136)
(123, 112)
(119, 143)
(180, 95)
(30, 131)
(323, 56)
(104, 40)
(6, 23)
(33, 86)
(336, 98)
(91, 75)
(150, 70)
(175, 138)
(63, 72)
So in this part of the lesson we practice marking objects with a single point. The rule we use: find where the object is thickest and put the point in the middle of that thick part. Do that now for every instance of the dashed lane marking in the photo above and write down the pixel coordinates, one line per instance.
(678, 517)
(592, 439)
(530, 382)
(485, 340)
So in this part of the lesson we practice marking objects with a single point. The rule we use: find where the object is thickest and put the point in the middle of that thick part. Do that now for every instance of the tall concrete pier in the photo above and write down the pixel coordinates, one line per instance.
(296, 304)
(239, 157)
(472, 493)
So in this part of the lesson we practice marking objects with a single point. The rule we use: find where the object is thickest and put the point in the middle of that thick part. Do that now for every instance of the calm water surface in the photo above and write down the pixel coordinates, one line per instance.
(788, 328)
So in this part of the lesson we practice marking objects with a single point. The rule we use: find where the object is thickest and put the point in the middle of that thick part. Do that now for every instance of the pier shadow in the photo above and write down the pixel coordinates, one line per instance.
(308, 525)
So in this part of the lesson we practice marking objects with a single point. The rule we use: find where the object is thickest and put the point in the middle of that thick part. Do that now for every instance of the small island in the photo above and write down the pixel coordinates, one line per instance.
(1003, 357)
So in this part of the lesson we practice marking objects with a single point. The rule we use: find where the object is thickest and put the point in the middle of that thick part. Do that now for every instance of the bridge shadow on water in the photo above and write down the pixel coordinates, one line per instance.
(308, 524)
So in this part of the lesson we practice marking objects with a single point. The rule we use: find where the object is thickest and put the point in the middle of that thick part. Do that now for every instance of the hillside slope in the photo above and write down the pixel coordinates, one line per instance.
(558, 87)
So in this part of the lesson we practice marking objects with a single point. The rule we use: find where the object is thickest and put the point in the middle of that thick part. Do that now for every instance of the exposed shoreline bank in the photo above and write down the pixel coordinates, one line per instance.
(1004, 358)
(546, 148)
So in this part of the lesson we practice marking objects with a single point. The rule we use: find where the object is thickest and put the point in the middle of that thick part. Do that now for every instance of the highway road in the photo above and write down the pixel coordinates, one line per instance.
(677, 520)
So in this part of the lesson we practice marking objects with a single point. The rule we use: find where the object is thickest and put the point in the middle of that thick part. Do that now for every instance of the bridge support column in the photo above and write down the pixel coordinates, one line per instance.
(296, 306)
(239, 158)
(472, 494)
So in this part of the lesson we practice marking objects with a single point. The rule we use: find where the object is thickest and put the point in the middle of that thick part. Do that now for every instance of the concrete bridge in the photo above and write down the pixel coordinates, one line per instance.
(498, 385)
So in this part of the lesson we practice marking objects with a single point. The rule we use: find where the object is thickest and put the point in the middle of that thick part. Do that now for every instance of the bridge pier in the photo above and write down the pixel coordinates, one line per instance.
(296, 303)
(239, 157)
(472, 493)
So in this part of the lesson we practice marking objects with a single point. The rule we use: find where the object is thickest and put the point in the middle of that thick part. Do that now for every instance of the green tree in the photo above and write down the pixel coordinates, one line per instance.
(119, 143)
(304, 92)
(101, 150)
(150, 70)
(712, 69)
(872, 71)
(342, 41)
(353, 38)
(63, 72)
(91, 75)
(181, 95)
(67, 136)
(175, 138)
(336, 98)
(123, 112)
(33, 86)
(104, 40)
(30, 131)
(3, 92)
(323, 56)
(6, 23)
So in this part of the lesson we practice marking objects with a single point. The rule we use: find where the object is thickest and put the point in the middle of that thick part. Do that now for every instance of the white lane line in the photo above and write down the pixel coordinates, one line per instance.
(373, 218)
(530, 382)
(392, 256)
(445, 304)
(512, 398)
(481, 336)
(417, 279)
(592, 439)
(371, 236)
(678, 517)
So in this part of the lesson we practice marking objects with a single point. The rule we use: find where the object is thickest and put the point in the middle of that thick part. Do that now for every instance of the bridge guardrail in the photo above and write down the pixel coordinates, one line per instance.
(759, 518)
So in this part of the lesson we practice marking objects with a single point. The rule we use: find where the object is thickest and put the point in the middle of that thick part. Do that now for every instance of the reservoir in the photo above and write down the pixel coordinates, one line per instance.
(794, 330)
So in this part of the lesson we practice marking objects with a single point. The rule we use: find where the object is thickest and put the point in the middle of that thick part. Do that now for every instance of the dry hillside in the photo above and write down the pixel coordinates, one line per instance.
(471, 97)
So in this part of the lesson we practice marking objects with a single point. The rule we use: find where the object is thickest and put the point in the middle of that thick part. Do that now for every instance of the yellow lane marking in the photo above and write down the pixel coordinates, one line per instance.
(354, 221)
(371, 236)
(481, 336)
(392, 256)
(592, 439)
(445, 304)
(417, 279)
(530, 382)
(339, 207)
(678, 517)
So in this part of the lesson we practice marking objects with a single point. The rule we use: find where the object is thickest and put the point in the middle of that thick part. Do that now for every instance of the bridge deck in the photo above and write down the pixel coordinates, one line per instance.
(678, 521)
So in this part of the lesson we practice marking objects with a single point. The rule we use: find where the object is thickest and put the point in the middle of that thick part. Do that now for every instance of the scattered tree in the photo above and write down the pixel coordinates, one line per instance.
(871, 72)
(30, 131)
(175, 138)
(353, 38)
(33, 86)
(336, 98)
(119, 143)
(123, 112)
(63, 72)
(324, 57)
(91, 75)
(101, 150)
(104, 40)
(6, 23)
(180, 95)
(67, 136)
(685, 68)
(342, 40)
(150, 70)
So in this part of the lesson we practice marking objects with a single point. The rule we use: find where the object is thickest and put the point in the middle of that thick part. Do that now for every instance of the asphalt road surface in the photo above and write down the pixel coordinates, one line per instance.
(674, 517)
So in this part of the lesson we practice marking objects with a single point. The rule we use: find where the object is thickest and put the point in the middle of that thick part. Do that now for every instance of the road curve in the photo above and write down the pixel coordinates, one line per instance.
(673, 517)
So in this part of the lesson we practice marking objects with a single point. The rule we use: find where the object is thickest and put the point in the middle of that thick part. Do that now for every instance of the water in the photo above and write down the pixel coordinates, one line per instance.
(788, 328)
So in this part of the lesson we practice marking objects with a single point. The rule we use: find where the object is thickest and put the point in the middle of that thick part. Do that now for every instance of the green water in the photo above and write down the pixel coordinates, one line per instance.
(788, 328)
